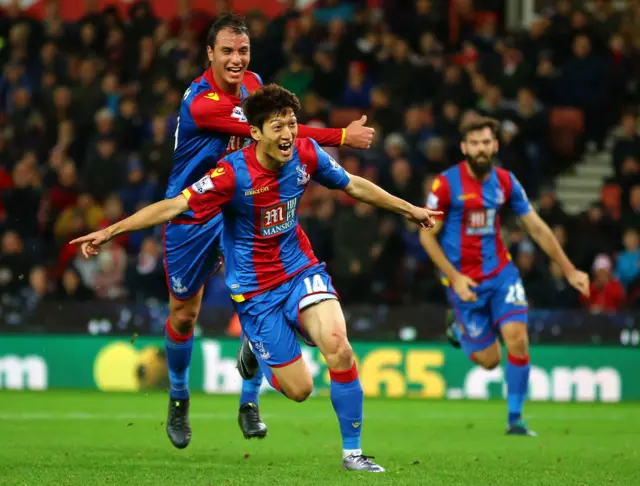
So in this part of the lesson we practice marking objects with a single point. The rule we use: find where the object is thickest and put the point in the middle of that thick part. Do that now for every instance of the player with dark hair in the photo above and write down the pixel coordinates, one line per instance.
(278, 286)
(211, 124)
(483, 285)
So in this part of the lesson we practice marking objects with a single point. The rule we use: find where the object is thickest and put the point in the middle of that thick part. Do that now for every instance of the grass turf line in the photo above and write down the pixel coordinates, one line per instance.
(86, 438)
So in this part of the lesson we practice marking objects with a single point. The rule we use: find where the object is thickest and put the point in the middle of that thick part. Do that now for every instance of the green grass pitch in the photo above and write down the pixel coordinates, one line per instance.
(84, 438)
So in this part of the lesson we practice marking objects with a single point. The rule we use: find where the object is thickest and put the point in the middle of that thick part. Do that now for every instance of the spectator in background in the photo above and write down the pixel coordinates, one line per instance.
(64, 192)
(296, 77)
(87, 94)
(514, 72)
(354, 237)
(145, 275)
(492, 104)
(22, 201)
(513, 156)
(550, 208)
(86, 210)
(532, 276)
(138, 188)
(628, 261)
(545, 80)
(631, 211)
(436, 156)
(398, 74)
(384, 114)
(606, 293)
(404, 182)
(628, 177)
(109, 278)
(105, 170)
(606, 20)
(38, 288)
(327, 80)
(114, 212)
(627, 141)
(357, 91)
(128, 125)
(532, 121)
(597, 233)
(584, 85)
(621, 69)
(15, 263)
(266, 58)
(157, 153)
(71, 288)
(314, 111)
(555, 292)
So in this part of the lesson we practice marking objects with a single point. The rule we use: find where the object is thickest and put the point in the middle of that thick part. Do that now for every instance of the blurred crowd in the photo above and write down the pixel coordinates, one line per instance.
(88, 111)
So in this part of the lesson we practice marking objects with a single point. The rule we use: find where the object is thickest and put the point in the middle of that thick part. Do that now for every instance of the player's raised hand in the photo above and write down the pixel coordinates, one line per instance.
(464, 287)
(423, 217)
(358, 135)
(90, 244)
(579, 281)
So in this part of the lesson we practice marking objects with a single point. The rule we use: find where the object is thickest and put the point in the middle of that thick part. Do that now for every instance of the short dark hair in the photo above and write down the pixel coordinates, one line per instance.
(235, 23)
(267, 101)
(480, 124)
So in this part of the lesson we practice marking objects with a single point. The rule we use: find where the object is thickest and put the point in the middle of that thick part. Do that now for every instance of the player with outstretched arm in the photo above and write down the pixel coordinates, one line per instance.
(279, 287)
(211, 124)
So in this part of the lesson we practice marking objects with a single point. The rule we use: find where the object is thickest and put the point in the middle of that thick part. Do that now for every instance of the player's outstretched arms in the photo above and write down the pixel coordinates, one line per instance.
(157, 213)
(462, 285)
(365, 191)
(544, 237)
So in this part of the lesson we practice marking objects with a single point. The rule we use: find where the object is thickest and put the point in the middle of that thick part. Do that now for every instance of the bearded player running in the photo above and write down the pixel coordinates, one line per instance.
(483, 285)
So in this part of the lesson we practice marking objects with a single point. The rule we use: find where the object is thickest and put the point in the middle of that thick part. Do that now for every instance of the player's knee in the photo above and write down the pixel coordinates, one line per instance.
(491, 363)
(488, 361)
(516, 340)
(300, 391)
(183, 319)
(340, 354)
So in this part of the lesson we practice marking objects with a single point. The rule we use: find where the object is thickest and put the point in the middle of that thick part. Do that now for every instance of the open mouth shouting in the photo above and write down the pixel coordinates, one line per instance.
(285, 149)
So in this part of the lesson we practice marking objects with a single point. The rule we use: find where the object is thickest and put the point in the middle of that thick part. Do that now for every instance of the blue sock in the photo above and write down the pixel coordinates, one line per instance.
(347, 399)
(178, 348)
(517, 375)
(251, 389)
(458, 333)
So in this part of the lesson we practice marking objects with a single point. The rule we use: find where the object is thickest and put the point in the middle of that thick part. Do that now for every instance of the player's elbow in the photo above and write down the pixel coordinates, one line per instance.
(177, 206)
(351, 188)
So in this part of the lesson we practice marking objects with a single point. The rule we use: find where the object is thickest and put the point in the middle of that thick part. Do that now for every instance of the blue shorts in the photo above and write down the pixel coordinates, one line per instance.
(191, 255)
(501, 299)
(271, 320)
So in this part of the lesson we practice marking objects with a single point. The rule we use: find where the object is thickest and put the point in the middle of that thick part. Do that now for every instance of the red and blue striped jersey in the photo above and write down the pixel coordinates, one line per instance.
(470, 236)
(212, 124)
(262, 241)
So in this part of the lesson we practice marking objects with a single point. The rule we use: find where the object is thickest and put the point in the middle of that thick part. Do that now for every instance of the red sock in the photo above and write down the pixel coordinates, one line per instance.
(174, 336)
(344, 376)
(516, 361)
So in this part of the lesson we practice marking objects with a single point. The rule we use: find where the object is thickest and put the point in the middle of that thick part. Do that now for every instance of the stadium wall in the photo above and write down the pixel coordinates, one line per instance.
(387, 369)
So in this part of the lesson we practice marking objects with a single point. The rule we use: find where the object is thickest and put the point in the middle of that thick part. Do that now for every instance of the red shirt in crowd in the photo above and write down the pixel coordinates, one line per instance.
(608, 298)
